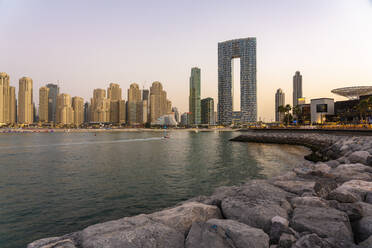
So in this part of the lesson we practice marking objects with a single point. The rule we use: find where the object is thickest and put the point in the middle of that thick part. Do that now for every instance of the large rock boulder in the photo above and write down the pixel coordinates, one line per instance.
(312, 241)
(182, 217)
(255, 204)
(53, 242)
(351, 191)
(363, 228)
(366, 243)
(310, 201)
(347, 172)
(359, 157)
(325, 222)
(131, 232)
(219, 233)
(296, 186)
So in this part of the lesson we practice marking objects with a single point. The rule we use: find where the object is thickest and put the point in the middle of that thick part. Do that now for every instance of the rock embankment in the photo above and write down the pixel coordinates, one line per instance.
(319, 204)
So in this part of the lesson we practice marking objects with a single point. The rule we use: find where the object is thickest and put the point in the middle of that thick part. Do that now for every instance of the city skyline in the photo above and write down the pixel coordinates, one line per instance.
(308, 37)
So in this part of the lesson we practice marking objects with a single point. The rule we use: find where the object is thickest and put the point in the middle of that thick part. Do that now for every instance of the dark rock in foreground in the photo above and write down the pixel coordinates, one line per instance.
(318, 204)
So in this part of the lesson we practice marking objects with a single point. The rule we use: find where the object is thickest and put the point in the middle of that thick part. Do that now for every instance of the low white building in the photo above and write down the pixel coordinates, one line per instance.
(320, 108)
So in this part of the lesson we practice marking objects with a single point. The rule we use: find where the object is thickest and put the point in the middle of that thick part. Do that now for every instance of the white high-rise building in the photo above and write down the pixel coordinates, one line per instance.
(279, 101)
(297, 88)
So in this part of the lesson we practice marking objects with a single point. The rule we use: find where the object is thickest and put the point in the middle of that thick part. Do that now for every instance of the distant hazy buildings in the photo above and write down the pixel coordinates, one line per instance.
(7, 100)
(159, 104)
(207, 111)
(114, 94)
(194, 97)
(185, 119)
(297, 88)
(43, 104)
(176, 114)
(279, 101)
(78, 108)
(65, 112)
(52, 101)
(245, 49)
(25, 101)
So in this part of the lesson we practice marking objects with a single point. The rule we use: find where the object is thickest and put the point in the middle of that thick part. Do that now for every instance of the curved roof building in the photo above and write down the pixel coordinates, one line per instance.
(353, 92)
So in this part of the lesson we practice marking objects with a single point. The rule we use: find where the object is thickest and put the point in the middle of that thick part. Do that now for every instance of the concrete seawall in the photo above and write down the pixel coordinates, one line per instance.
(317, 204)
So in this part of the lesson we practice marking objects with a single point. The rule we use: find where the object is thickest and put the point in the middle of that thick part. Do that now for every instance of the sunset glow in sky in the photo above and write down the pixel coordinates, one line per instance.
(87, 44)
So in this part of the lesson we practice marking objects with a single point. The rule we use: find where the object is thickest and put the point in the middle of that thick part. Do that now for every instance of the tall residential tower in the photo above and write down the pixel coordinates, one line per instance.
(25, 101)
(194, 97)
(297, 88)
(245, 49)
(279, 101)
(52, 101)
(43, 104)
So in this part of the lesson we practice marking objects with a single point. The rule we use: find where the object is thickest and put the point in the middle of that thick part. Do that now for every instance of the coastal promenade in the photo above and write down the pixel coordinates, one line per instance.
(326, 202)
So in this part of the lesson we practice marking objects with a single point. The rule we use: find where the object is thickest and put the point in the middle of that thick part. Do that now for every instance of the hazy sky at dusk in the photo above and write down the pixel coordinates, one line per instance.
(88, 44)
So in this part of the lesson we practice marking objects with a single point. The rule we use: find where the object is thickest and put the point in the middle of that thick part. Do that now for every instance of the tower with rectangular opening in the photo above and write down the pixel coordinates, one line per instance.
(245, 49)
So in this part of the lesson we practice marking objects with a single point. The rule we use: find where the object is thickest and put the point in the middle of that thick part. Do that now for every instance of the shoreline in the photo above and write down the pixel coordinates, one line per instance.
(324, 204)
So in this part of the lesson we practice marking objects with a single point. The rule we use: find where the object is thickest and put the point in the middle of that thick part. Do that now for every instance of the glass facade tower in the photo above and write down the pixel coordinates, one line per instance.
(194, 98)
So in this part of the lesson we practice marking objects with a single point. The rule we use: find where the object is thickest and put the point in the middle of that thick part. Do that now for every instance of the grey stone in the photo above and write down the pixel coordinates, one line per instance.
(363, 228)
(325, 222)
(359, 157)
(131, 232)
(286, 240)
(368, 197)
(296, 186)
(369, 161)
(346, 172)
(255, 204)
(343, 195)
(182, 217)
(366, 243)
(353, 210)
(308, 201)
(279, 225)
(312, 241)
(366, 208)
(333, 163)
(324, 187)
(320, 169)
(53, 242)
(225, 233)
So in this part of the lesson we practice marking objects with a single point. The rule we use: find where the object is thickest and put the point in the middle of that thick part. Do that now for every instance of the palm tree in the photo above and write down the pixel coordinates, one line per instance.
(297, 111)
(281, 110)
(287, 110)
(362, 108)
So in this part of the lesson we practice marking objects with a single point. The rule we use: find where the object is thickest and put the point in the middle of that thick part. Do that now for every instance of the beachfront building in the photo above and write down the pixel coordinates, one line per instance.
(159, 104)
(78, 107)
(52, 102)
(207, 111)
(65, 112)
(135, 106)
(25, 101)
(43, 104)
(100, 106)
(7, 100)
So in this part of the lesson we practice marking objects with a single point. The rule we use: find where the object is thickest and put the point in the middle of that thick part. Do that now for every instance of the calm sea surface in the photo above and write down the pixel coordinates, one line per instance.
(57, 183)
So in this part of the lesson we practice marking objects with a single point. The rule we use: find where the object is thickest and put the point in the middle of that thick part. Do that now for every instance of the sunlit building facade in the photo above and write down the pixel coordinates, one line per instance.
(25, 101)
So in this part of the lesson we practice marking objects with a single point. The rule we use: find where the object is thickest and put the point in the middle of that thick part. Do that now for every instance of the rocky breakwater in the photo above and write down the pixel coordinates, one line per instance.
(319, 204)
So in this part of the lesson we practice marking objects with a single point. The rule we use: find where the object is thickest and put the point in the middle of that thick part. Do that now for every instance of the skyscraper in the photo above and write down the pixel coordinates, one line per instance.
(194, 97)
(207, 111)
(52, 102)
(4, 98)
(176, 114)
(25, 101)
(114, 95)
(245, 49)
(279, 101)
(297, 88)
(65, 113)
(100, 106)
(78, 107)
(159, 104)
(12, 106)
(134, 113)
(43, 104)
(87, 112)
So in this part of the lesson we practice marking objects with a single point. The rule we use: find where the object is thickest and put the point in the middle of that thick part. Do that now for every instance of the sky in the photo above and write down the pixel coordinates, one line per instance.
(87, 44)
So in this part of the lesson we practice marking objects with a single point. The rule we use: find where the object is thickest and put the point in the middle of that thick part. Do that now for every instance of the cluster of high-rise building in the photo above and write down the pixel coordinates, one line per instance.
(143, 106)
